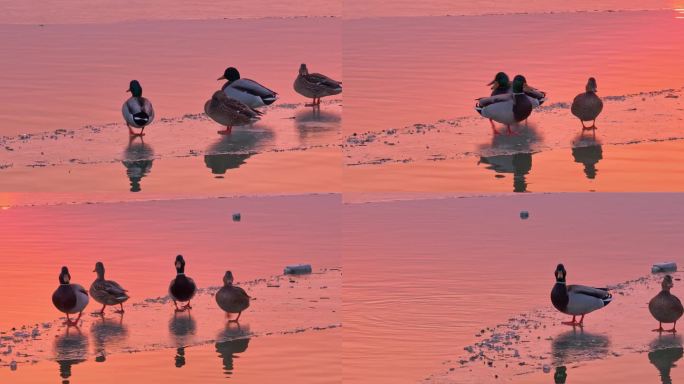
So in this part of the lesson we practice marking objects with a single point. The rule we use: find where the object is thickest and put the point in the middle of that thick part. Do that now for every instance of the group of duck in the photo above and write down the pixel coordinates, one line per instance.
(512, 102)
(70, 298)
(236, 103)
(580, 300)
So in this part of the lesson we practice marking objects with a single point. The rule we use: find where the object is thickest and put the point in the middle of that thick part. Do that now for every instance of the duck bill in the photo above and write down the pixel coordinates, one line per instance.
(221, 78)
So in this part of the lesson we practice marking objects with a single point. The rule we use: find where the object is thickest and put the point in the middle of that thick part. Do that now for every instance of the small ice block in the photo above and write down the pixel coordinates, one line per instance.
(524, 215)
(669, 266)
(298, 269)
(237, 217)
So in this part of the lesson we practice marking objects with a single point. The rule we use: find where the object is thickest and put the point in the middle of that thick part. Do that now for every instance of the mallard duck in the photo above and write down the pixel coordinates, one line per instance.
(247, 91)
(587, 106)
(230, 298)
(666, 307)
(182, 288)
(137, 110)
(315, 85)
(577, 300)
(107, 292)
(70, 298)
(508, 108)
(228, 111)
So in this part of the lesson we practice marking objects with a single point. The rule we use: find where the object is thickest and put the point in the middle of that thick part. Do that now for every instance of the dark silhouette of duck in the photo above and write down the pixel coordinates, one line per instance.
(107, 292)
(587, 106)
(182, 287)
(230, 298)
(666, 307)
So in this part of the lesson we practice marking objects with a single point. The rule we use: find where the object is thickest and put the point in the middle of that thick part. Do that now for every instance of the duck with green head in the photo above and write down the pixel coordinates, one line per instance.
(70, 298)
(507, 109)
(247, 91)
(137, 110)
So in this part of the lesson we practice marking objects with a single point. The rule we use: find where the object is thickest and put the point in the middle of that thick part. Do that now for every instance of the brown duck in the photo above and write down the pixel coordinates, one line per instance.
(315, 85)
(666, 307)
(587, 106)
(229, 112)
(230, 298)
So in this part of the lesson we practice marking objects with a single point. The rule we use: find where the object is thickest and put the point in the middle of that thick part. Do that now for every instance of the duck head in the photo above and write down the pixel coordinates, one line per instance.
(560, 273)
(231, 74)
(303, 71)
(228, 278)
(591, 85)
(518, 83)
(64, 276)
(135, 88)
(501, 80)
(667, 283)
(99, 268)
(180, 264)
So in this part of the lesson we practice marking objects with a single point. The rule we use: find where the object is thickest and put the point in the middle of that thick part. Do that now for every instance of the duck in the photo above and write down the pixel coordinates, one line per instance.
(666, 307)
(315, 86)
(230, 298)
(506, 109)
(182, 288)
(577, 300)
(137, 110)
(107, 292)
(587, 106)
(247, 91)
(229, 112)
(70, 298)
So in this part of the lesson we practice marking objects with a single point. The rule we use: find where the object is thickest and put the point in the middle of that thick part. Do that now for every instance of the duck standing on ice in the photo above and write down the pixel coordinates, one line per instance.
(577, 300)
(107, 292)
(182, 287)
(70, 298)
(587, 106)
(315, 86)
(666, 307)
(507, 109)
(230, 298)
(137, 110)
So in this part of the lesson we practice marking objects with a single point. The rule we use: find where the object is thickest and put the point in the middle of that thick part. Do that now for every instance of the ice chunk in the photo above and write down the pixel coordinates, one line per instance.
(237, 216)
(298, 269)
(524, 215)
(669, 266)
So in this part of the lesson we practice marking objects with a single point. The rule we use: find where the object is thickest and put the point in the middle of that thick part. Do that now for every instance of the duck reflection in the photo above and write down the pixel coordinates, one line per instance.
(107, 332)
(588, 151)
(560, 375)
(511, 154)
(313, 124)
(665, 352)
(231, 151)
(70, 349)
(577, 345)
(138, 158)
(236, 341)
(182, 328)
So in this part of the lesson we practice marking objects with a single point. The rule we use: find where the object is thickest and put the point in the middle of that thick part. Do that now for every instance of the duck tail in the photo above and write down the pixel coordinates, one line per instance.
(607, 299)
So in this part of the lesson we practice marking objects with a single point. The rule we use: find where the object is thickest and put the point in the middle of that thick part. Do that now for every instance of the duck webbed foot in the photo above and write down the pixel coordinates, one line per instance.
(226, 131)
(574, 323)
(510, 132)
